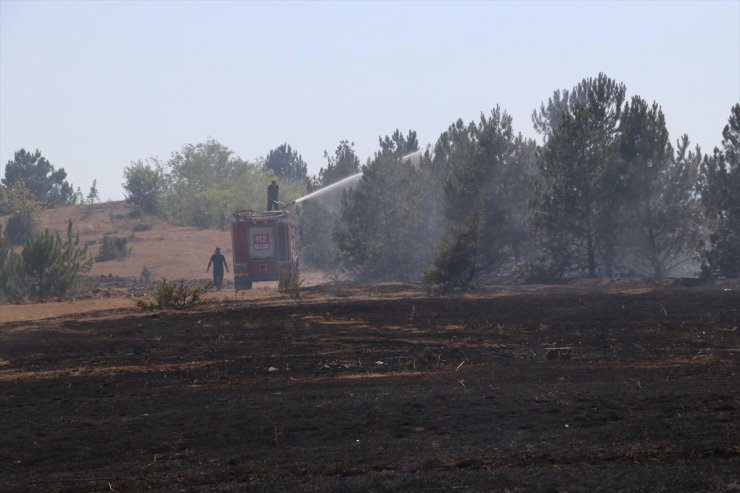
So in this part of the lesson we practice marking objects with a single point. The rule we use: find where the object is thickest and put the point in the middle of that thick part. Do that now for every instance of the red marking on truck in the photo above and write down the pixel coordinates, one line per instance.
(261, 241)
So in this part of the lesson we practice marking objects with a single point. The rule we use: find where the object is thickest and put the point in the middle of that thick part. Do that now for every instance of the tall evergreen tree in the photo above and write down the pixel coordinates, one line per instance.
(319, 216)
(486, 187)
(93, 196)
(342, 164)
(658, 204)
(720, 192)
(51, 265)
(26, 216)
(573, 213)
(11, 288)
(384, 233)
(49, 186)
(287, 163)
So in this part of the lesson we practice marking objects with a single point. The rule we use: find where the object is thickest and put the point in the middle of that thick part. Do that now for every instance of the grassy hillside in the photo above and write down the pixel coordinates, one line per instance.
(167, 251)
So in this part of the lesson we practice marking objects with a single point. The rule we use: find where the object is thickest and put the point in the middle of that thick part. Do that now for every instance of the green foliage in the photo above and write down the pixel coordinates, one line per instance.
(287, 164)
(93, 196)
(178, 295)
(47, 185)
(203, 184)
(50, 265)
(384, 232)
(342, 164)
(720, 192)
(605, 194)
(145, 185)
(613, 197)
(487, 173)
(207, 183)
(138, 227)
(457, 256)
(320, 215)
(573, 210)
(10, 287)
(658, 207)
(112, 248)
(25, 213)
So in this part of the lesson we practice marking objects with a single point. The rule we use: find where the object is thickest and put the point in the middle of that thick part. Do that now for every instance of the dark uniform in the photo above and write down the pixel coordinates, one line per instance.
(272, 196)
(218, 261)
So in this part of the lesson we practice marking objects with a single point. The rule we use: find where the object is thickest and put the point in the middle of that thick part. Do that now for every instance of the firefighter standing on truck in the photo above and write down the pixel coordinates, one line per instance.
(219, 263)
(272, 196)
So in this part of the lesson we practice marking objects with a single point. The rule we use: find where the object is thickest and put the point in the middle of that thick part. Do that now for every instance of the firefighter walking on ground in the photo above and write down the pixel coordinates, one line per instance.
(218, 261)
(272, 196)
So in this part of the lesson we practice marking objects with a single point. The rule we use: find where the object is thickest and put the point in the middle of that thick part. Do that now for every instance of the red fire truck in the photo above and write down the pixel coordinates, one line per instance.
(264, 246)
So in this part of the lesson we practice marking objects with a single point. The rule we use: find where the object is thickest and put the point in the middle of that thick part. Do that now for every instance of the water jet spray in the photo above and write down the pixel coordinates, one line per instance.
(334, 186)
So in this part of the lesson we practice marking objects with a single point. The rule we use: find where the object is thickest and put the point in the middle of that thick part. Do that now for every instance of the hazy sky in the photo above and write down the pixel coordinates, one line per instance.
(96, 85)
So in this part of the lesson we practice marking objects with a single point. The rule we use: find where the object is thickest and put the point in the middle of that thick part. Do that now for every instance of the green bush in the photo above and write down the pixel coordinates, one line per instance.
(47, 266)
(19, 227)
(10, 288)
(112, 248)
(456, 260)
(178, 295)
(141, 227)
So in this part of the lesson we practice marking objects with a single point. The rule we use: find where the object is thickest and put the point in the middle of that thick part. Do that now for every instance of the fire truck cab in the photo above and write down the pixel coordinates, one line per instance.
(264, 246)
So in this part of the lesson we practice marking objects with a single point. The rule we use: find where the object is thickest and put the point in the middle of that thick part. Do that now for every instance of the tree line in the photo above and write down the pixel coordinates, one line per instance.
(604, 193)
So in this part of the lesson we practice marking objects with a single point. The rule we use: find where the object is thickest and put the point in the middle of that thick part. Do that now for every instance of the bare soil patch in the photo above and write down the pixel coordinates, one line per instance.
(381, 388)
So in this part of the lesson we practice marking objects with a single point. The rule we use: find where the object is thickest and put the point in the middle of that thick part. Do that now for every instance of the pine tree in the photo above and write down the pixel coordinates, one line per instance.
(25, 213)
(573, 214)
(11, 288)
(93, 196)
(48, 185)
(720, 193)
(658, 205)
(319, 216)
(384, 233)
(487, 173)
(287, 164)
(51, 266)
(342, 164)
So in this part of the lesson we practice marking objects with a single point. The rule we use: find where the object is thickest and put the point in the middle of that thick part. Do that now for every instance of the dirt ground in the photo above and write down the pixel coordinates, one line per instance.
(380, 388)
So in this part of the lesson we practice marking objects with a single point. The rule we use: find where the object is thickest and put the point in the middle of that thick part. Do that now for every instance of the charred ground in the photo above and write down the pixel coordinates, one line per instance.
(380, 388)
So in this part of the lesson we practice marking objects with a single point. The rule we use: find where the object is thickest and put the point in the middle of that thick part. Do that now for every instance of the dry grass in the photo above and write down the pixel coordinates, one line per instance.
(171, 252)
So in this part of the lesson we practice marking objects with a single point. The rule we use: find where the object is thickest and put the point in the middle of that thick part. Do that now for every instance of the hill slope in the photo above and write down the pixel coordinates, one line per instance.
(172, 252)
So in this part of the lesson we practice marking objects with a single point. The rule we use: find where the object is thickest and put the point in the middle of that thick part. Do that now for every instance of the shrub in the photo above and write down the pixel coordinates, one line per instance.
(50, 266)
(456, 260)
(25, 218)
(145, 185)
(11, 288)
(141, 227)
(178, 295)
(291, 284)
(19, 227)
(112, 248)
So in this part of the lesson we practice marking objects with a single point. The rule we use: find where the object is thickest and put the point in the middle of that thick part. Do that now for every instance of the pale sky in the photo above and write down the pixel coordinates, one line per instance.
(95, 85)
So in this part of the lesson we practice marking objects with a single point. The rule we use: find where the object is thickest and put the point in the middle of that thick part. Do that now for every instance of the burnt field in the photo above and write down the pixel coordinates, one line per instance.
(380, 388)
